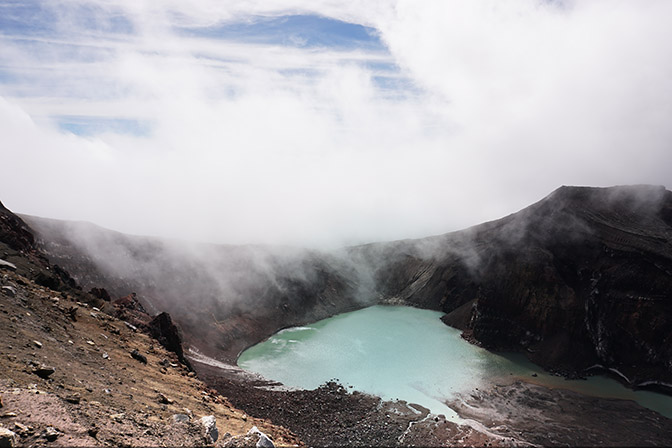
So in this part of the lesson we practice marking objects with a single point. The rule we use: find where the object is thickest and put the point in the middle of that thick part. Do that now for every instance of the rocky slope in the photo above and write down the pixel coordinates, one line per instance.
(73, 374)
(224, 297)
(577, 280)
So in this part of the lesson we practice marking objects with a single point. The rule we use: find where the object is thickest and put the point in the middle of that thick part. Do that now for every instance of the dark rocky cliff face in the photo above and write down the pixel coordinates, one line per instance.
(581, 278)
(14, 232)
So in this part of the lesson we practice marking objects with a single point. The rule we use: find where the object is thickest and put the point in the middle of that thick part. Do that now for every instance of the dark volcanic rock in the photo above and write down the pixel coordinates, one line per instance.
(129, 303)
(139, 356)
(15, 232)
(583, 277)
(166, 332)
(101, 293)
(327, 416)
(130, 310)
(588, 282)
(55, 278)
(43, 371)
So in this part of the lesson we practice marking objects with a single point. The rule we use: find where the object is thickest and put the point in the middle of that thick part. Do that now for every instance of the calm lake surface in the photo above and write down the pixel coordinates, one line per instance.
(405, 353)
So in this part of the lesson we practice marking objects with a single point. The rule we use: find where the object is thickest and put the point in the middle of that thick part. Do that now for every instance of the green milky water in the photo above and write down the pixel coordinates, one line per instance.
(406, 353)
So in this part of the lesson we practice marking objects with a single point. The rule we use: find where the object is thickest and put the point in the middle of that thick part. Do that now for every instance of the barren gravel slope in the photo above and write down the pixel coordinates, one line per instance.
(98, 394)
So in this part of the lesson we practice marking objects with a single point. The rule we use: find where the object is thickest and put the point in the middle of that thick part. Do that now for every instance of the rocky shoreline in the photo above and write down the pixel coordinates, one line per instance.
(510, 412)
(559, 417)
(333, 416)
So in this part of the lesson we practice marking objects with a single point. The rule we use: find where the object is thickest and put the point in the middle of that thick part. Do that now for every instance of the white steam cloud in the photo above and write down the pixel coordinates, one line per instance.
(486, 106)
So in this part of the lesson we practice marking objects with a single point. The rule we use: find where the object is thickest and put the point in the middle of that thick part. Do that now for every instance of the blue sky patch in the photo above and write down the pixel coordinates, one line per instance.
(306, 31)
(27, 18)
(89, 126)
(35, 18)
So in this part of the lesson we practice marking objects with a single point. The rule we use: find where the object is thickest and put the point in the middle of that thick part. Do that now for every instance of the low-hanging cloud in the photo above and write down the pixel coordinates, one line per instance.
(486, 106)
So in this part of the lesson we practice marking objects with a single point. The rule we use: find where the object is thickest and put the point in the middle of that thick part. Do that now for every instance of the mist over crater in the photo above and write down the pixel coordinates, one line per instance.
(563, 279)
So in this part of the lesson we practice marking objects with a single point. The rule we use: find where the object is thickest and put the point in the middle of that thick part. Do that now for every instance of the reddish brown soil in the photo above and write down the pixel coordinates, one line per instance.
(98, 394)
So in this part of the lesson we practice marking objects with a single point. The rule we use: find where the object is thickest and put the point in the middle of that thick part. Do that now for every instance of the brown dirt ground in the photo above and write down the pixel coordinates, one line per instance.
(98, 394)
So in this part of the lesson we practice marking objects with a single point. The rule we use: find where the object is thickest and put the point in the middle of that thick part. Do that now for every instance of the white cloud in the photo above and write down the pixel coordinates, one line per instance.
(265, 143)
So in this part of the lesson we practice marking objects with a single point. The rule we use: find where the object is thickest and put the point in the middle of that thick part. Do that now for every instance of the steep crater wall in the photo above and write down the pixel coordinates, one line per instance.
(581, 279)
(578, 280)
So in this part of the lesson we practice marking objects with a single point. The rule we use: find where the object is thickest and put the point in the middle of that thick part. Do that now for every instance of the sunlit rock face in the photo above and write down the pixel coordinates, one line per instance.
(581, 278)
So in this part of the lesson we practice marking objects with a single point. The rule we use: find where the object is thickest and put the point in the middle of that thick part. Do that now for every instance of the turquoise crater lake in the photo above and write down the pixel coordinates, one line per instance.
(405, 353)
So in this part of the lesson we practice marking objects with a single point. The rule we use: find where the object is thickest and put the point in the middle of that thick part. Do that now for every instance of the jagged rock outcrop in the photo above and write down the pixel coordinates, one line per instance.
(15, 232)
(18, 243)
(162, 328)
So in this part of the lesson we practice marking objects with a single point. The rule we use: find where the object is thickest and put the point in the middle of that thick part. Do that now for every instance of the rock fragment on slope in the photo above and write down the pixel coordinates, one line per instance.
(6, 265)
(43, 371)
(210, 424)
(263, 440)
(7, 438)
(51, 433)
(139, 356)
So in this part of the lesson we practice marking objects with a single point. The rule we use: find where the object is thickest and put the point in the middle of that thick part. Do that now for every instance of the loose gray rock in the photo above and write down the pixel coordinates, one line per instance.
(180, 418)
(264, 441)
(51, 433)
(7, 438)
(9, 291)
(6, 265)
(210, 424)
